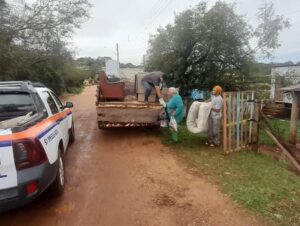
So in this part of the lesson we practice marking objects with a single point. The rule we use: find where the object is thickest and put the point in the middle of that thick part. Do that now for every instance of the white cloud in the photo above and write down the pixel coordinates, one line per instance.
(130, 22)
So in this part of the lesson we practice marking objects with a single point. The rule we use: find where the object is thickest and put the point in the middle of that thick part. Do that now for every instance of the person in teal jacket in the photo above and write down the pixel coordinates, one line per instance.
(175, 108)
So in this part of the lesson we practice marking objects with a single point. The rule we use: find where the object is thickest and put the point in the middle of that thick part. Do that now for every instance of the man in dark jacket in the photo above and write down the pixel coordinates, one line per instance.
(153, 80)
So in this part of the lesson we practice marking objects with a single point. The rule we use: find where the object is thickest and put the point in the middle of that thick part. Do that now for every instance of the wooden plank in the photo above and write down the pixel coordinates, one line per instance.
(255, 126)
(290, 157)
(294, 117)
(233, 138)
(238, 119)
(128, 104)
(248, 113)
(242, 119)
(225, 123)
(234, 123)
(128, 115)
(251, 116)
(229, 121)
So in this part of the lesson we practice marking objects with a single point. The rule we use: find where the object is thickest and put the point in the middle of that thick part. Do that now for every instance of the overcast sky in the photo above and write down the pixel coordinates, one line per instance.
(130, 22)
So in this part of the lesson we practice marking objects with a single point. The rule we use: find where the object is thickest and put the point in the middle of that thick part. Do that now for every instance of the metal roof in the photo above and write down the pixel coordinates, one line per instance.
(295, 88)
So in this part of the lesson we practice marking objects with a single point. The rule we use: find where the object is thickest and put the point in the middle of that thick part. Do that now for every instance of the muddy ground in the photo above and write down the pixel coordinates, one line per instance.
(126, 177)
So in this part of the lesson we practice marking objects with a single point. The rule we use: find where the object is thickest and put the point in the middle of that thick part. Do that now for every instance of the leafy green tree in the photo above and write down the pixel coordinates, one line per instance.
(34, 39)
(209, 46)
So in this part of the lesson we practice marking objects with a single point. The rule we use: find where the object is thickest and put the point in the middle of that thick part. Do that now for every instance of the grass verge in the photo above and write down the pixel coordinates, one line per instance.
(75, 90)
(255, 181)
(281, 127)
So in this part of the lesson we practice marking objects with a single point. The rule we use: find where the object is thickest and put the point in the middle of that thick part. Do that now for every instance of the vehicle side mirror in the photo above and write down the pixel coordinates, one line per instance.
(69, 105)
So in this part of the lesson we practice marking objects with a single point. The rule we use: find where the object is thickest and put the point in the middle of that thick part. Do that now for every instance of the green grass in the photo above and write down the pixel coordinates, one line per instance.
(75, 90)
(281, 127)
(255, 181)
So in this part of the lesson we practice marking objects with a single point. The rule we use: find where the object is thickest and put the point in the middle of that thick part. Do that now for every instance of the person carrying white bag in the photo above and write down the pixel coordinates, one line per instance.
(214, 119)
(175, 112)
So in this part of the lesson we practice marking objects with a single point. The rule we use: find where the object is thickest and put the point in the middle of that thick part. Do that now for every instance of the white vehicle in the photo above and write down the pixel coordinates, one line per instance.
(35, 130)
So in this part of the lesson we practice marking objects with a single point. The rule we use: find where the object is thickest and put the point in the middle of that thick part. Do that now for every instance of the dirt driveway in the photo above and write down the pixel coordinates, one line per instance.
(126, 178)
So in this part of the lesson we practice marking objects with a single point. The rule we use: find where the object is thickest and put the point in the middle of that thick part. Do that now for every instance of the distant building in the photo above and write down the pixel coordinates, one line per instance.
(283, 76)
(112, 68)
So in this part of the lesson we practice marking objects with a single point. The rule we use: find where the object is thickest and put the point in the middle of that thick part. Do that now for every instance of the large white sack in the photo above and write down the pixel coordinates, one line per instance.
(192, 116)
(197, 119)
(203, 114)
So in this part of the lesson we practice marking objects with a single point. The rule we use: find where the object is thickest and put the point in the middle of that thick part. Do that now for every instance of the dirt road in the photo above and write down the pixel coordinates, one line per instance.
(126, 178)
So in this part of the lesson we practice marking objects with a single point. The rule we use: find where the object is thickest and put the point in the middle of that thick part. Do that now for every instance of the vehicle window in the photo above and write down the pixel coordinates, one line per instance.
(51, 102)
(57, 101)
(15, 105)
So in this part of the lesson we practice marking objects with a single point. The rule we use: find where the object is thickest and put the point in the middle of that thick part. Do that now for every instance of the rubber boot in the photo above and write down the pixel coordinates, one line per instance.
(174, 136)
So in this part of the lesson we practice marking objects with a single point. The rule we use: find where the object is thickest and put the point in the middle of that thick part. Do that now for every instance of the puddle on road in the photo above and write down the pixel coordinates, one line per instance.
(65, 209)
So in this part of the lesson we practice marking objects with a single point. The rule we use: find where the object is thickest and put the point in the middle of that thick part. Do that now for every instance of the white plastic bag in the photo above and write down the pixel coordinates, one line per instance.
(162, 102)
(173, 123)
(163, 123)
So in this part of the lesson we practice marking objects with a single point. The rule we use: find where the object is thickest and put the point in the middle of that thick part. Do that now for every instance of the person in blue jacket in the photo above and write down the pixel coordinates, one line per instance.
(175, 109)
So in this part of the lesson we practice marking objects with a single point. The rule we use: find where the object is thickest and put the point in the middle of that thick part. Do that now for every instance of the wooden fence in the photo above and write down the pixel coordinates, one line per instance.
(239, 124)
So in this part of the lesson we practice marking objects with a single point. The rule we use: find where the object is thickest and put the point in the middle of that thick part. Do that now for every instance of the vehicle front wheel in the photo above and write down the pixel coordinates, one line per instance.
(58, 186)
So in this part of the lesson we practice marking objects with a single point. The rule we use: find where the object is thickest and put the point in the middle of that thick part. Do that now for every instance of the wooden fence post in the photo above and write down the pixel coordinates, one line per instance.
(255, 126)
(225, 123)
(251, 116)
(294, 117)
(238, 120)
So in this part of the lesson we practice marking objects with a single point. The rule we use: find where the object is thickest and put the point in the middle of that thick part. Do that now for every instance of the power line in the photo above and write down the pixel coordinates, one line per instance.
(157, 8)
(156, 15)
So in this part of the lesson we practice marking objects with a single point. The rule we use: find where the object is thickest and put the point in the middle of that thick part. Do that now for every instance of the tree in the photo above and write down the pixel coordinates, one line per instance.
(34, 39)
(209, 46)
(267, 32)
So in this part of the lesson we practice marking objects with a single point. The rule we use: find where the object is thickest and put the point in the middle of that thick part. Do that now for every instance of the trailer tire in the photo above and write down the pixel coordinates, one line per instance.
(101, 125)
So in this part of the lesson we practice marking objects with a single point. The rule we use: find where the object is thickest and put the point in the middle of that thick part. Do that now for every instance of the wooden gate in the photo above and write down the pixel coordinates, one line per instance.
(238, 120)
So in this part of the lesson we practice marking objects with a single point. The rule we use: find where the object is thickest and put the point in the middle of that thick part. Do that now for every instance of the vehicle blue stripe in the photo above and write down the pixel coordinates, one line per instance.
(42, 134)
(2, 176)
(5, 144)
(58, 121)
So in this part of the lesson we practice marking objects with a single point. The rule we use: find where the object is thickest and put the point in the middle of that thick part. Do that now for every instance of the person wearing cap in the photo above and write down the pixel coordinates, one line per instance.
(175, 109)
(214, 120)
(153, 80)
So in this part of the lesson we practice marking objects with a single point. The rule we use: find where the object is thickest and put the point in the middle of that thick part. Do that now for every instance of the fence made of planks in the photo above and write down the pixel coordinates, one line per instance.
(239, 125)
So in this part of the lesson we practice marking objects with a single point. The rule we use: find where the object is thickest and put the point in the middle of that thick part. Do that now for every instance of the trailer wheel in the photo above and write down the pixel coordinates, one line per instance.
(101, 125)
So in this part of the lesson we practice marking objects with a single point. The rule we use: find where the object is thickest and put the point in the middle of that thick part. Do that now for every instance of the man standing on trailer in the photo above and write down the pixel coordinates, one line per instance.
(153, 80)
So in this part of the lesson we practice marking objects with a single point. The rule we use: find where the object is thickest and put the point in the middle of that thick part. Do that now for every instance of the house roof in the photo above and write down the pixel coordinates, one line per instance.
(295, 88)
(284, 65)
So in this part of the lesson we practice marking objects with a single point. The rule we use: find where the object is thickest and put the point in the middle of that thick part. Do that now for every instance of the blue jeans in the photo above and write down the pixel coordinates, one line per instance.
(148, 89)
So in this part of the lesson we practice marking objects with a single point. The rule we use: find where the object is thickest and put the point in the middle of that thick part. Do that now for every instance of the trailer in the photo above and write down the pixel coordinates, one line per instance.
(118, 109)
(128, 114)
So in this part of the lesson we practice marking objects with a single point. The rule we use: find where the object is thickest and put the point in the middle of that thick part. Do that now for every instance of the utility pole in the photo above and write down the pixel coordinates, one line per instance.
(144, 60)
(118, 59)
